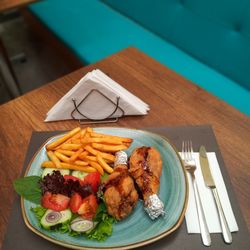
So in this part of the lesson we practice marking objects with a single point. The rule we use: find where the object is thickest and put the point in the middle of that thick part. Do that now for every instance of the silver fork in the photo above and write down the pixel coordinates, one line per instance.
(189, 163)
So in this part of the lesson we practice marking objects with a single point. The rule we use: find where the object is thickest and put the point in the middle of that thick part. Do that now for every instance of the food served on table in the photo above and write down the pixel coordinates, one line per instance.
(120, 194)
(145, 165)
(85, 186)
(84, 150)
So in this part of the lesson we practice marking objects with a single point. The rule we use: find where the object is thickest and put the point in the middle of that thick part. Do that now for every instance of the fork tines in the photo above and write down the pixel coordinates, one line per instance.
(187, 149)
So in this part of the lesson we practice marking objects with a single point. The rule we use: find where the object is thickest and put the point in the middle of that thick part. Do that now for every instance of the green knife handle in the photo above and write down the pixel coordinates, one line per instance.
(224, 226)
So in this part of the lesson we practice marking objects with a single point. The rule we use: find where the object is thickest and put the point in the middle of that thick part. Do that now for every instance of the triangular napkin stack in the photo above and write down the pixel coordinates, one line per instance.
(96, 96)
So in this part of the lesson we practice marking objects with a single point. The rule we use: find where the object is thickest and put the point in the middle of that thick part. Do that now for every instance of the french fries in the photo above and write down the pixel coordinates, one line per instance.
(106, 156)
(97, 166)
(70, 146)
(87, 169)
(75, 155)
(104, 165)
(109, 148)
(62, 157)
(98, 135)
(65, 152)
(54, 159)
(85, 150)
(63, 139)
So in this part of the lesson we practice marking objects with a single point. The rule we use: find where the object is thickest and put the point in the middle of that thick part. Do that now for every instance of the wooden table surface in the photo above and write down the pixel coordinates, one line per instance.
(173, 101)
(11, 4)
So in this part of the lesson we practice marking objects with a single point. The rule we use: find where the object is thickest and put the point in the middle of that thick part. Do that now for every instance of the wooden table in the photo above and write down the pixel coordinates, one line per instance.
(11, 4)
(173, 101)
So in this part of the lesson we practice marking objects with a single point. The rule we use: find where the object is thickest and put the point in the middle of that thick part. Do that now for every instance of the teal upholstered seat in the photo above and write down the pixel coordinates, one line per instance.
(93, 30)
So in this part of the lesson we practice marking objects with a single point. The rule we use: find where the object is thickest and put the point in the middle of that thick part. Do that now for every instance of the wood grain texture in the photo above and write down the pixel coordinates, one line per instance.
(173, 101)
(11, 4)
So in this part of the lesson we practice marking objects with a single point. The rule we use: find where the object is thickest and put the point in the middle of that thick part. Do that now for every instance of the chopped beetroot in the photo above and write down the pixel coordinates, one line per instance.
(56, 184)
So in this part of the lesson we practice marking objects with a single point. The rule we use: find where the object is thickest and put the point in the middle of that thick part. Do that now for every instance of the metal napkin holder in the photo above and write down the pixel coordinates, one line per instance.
(90, 120)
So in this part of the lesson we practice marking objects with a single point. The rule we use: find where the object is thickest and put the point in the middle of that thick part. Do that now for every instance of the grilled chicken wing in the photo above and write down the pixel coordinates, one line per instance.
(145, 166)
(120, 194)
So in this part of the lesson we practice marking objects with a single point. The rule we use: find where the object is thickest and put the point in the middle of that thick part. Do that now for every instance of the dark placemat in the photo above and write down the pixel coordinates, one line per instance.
(18, 236)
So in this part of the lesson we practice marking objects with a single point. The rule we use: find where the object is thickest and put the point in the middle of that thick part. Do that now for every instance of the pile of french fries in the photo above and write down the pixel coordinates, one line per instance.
(85, 150)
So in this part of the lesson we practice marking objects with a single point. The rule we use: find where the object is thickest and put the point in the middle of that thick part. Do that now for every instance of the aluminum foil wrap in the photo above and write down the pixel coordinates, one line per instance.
(154, 206)
(121, 158)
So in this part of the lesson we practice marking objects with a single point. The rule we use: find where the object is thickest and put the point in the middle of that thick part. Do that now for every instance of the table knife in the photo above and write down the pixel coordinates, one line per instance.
(209, 181)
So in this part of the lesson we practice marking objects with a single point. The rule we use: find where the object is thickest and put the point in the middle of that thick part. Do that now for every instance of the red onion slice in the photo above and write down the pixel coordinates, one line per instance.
(53, 217)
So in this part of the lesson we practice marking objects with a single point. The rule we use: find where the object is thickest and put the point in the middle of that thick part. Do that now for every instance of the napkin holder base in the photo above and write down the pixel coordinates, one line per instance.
(87, 119)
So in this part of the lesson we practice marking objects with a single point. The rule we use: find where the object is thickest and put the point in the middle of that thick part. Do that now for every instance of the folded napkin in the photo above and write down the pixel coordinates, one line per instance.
(207, 200)
(96, 96)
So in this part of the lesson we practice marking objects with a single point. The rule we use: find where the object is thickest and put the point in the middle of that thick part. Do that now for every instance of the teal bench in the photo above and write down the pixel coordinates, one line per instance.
(207, 41)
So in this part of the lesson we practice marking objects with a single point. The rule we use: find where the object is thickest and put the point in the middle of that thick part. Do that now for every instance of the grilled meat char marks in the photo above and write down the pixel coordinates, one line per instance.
(145, 166)
(120, 194)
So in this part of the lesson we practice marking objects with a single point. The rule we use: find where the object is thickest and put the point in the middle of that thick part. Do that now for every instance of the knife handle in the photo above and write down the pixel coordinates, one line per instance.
(205, 235)
(224, 226)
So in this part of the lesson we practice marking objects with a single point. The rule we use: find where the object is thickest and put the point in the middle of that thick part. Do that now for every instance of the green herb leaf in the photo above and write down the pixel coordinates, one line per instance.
(39, 212)
(104, 177)
(64, 228)
(104, 227)
(103, 230)
(28, 188)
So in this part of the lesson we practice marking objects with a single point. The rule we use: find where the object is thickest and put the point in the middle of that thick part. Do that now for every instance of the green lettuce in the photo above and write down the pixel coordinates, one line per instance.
(104, 226)
(39, 212)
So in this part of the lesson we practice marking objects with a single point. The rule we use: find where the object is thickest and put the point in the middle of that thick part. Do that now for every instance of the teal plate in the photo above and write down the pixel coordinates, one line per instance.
(137, 229)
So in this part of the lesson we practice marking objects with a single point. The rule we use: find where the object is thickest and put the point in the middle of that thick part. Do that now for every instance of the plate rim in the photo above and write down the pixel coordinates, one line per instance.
(130, 246)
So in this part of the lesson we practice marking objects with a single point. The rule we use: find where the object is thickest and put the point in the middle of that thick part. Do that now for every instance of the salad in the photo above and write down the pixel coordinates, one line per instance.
(68, 196)
(68, 203)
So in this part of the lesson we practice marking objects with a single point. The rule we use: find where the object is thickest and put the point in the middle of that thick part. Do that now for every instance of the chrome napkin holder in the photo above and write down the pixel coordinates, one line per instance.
(90, 120)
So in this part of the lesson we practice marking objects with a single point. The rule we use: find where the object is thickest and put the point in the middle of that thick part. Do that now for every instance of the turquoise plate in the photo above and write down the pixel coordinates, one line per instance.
(137, 229)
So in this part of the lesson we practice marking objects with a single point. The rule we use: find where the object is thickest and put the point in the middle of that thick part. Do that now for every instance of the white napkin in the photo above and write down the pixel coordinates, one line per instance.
(96, 106)
(208, 200)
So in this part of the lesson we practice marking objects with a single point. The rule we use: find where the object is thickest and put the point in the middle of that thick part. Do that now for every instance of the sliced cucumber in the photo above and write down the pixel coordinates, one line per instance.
(50, 171)
(64, 171)
(47, 171)
(79, 174)
(81, 225)
(52, 218)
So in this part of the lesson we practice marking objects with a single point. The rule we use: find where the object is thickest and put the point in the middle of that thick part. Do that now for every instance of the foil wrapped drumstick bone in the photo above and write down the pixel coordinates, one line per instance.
(145, 166)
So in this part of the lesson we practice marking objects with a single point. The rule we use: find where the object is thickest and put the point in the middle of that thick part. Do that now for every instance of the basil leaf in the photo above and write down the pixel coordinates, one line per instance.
(28, 188)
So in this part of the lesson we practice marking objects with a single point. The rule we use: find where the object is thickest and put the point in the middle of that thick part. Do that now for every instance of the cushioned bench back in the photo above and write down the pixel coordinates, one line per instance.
(215, 32)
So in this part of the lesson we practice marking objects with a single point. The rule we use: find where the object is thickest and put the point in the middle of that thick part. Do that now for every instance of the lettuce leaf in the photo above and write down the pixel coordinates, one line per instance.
(104, 227)
(39, 212)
